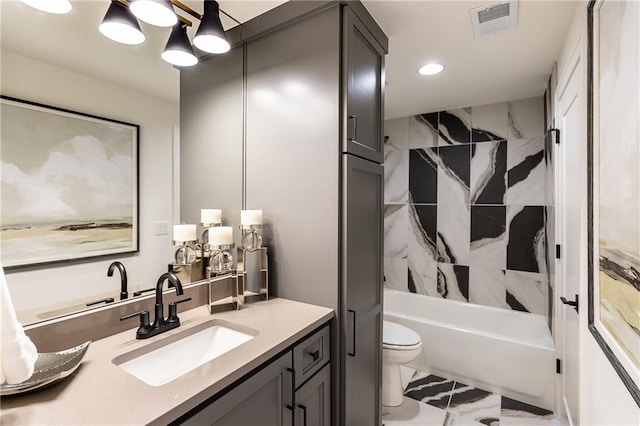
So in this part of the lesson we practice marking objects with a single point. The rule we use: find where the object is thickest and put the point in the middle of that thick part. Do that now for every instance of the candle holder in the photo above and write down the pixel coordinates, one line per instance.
(251, 238)
(205, 234)
(221, 259)
(185, 254)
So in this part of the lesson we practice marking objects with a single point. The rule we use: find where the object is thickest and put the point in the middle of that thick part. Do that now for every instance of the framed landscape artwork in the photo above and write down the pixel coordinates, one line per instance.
(614, 184)
(69, 184)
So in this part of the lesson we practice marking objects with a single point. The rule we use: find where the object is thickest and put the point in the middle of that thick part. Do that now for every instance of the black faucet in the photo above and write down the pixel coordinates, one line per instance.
(160, 324)
(123, 278)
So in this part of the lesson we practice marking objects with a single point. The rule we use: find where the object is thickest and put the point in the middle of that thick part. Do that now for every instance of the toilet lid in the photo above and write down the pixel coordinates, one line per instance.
(398, 335)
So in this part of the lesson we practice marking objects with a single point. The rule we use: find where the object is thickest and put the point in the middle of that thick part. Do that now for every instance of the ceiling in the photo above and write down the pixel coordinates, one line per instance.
(506, 66)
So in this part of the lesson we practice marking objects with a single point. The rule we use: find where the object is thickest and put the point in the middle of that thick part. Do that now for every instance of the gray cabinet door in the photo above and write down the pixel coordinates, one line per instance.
(363, 59)
(265, 399)
(362, 239)
(313, 400)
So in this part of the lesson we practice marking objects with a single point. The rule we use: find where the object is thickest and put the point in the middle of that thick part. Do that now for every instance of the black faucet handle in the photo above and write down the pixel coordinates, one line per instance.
(144, 318)
(96, 302)
(173, 310)
(140, 292)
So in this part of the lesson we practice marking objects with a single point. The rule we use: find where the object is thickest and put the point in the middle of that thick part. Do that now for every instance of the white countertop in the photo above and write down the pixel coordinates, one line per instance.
(100, 392)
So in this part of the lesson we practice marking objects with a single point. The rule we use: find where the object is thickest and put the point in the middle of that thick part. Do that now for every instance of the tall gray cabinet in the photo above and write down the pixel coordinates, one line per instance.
(314, 96)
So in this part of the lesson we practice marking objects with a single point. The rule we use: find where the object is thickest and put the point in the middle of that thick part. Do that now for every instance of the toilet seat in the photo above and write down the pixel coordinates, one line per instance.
(399, 337)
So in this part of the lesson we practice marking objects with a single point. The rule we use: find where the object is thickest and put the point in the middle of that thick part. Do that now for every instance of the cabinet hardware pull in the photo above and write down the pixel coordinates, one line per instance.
(353, 333)
(315, 355)
(304, 414)
(354, 120)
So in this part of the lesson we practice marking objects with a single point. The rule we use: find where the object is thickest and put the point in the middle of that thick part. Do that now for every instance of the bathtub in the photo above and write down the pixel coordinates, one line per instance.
(506, 352)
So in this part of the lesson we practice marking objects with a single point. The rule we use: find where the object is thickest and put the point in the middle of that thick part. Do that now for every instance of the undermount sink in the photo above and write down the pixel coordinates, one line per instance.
(163, 361)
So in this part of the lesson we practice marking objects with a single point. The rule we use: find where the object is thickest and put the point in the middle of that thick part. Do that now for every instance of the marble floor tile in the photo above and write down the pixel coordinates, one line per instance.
(396, 177)
(526, 118)
(488, 172)
(454, 127)
(518, 413)
(490, 122)
(475, 404)
(396, 133)
(423, 131)
(430, 389)
(396, 228)
(413, 413)
(453, 419)
(395, 273)
(423, 175)
(454, 174)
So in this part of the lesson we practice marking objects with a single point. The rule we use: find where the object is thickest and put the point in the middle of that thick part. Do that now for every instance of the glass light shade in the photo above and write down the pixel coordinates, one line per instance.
(58, 7)
(178, 50)
(210, 36)
(155, 12)
(431, 69)
(120, 25)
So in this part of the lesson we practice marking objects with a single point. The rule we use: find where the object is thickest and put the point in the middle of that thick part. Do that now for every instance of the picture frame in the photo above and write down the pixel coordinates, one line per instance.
(70, 185)
(613, 149)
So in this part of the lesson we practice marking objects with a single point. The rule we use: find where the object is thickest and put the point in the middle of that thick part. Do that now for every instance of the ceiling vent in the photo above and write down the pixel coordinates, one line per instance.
(494, 18)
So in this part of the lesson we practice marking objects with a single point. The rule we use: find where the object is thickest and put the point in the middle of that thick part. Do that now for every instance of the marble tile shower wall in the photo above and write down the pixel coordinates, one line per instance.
(465, 205)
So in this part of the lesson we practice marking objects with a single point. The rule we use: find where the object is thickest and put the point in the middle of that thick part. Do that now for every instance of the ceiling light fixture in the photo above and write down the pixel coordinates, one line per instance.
(58, 7)
(431, 69)
(178, 50)
(210, 36)
(120, 25)
(155, 12)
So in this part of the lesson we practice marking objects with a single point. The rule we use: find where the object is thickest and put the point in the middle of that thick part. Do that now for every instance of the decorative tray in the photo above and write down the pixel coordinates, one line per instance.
(49, 368)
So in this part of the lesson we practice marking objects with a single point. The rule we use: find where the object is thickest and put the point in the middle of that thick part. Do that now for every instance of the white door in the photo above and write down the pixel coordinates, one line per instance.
(569, 187)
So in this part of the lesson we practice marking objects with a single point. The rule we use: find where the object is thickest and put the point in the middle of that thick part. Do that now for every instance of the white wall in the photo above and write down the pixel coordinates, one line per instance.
(29, 79)
(603, 398)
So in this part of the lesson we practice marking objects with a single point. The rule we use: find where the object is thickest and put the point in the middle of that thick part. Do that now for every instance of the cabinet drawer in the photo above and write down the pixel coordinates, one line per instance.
(310, 355)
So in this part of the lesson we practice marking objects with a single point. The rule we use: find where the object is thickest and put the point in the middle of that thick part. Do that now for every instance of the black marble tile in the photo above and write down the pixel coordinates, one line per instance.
(489, 172)
(427, 216)
(423, 175)
(521, 172)
(526, 234)
(430, 389)
(475, 404)
(453, 282)
(488, 222)
(512, 408)
(514, 303)
(453, 127)
(456, 160)
(430, 120)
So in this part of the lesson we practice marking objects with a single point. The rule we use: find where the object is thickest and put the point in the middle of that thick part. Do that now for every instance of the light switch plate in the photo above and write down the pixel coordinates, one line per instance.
(162, 228)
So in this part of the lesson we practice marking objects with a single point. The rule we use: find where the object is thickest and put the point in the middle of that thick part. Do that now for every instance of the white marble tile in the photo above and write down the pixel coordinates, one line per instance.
(413, 413)
(490, 122)
(454, 234)
(488, 172)
(396, 226)
(396, 177)
(453, 282)
(488, 237)
(453, 419)
(454, 170)
(475, 404)
(424, 274)
(422, 234)
(488, 287)
(423, 131)
(396, 273)
(529, 290)
(397, 130)
(526, 173)
(526, 245)
(526, 118)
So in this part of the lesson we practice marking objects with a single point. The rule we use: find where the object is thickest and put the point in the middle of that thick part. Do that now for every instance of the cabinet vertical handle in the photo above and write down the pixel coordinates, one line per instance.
(292, 406)
(354, 119)
(352, 326)
(304, 414)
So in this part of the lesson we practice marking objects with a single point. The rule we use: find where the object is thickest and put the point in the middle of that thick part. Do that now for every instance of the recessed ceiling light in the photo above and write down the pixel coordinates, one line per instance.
(431, 69)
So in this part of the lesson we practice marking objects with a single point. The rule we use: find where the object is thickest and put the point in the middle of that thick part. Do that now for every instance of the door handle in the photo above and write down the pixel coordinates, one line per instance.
(352, 325)
(573, 303)
(354, 120)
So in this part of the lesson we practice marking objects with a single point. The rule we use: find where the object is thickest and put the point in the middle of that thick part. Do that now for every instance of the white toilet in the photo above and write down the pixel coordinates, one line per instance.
(400, 345)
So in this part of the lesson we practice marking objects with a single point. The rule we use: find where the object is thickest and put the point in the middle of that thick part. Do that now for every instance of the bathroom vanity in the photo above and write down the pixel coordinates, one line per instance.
(281, 373)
